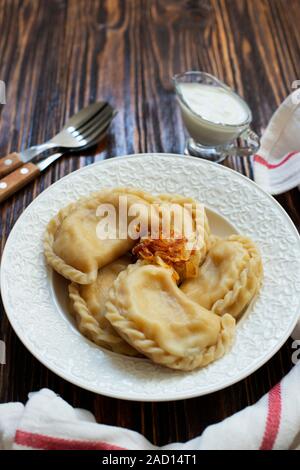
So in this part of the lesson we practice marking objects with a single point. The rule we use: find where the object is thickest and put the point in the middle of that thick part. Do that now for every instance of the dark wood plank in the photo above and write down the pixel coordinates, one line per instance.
(58, 55)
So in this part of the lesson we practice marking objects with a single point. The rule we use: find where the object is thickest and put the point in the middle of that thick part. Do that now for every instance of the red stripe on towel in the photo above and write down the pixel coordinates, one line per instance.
(273, 418)
(262, 161)
(39, 441)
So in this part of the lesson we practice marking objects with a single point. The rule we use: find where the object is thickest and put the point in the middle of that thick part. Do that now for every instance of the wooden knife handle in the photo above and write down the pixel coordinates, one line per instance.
(10, 163)
(17, 179)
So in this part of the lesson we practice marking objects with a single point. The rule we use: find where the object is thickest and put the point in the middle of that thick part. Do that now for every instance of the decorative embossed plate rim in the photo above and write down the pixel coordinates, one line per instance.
(36, 318)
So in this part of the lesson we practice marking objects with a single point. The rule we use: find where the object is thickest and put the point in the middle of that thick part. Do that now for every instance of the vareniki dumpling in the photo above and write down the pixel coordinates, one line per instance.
(72, 243)
(229, 277)
(96, 294)
(88, 302)
(150, 312)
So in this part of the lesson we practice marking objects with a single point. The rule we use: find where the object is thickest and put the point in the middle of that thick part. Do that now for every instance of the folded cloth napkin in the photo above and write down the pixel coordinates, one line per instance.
(48, 422)
(277, 164)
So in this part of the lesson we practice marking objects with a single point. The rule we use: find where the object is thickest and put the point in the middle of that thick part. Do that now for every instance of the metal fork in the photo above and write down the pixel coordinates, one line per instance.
(80, 129)
(20, 177)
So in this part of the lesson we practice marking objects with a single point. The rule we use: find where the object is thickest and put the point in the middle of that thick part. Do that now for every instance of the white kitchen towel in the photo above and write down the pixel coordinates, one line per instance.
(48, 422)
(277, 164)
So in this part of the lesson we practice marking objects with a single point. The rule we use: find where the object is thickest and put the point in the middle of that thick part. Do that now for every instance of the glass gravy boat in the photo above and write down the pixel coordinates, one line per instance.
(214, 139)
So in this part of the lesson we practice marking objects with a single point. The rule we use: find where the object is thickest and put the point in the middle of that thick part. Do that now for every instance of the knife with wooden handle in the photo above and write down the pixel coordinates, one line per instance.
(17, 179)
(11, 183)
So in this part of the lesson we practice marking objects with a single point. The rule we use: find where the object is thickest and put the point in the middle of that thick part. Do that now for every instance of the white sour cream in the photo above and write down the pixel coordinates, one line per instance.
(214, 104)
(212, 115)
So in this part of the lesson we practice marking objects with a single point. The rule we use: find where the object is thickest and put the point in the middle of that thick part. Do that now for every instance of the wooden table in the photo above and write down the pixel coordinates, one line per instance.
(57, 56)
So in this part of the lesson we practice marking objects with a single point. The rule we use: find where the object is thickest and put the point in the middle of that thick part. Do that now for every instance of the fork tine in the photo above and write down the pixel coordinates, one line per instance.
(99, 135)
(89, 122)
(84, 130)
(98, 126)
(100, 131)
(104, 125)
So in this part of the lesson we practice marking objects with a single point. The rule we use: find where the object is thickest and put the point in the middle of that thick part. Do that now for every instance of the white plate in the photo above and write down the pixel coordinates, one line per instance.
(35, 301)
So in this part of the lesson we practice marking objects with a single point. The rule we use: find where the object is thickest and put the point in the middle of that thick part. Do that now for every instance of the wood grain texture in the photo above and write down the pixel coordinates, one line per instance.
(57, 56)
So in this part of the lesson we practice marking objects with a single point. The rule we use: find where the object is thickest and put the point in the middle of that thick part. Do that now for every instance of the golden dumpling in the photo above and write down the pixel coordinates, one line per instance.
(150, 312)
(229, 277)
(88, 302)
(72, 243)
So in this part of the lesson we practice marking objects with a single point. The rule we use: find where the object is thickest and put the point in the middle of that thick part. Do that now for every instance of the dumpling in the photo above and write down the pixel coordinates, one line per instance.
(72, 243)
(96, 294)
(88, 302)
(229, 277)
(150, 312)
(183, 237)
